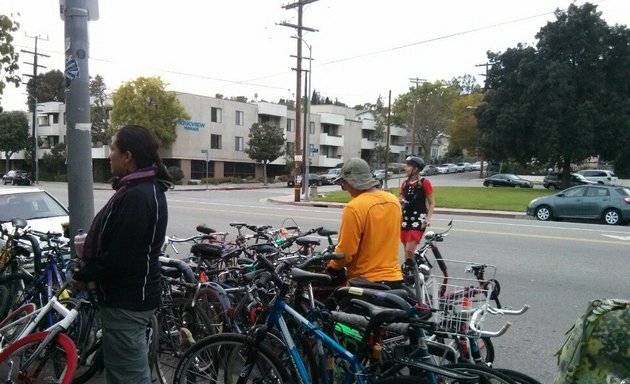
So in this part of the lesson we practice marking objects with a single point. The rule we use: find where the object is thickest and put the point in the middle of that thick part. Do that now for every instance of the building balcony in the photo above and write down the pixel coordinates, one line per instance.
(368, 125)
(397, 131)
(335, 141)
(331, 118)
(50, 130)
(367, 144)
(272, 109)
(396, 148)
(323, 161)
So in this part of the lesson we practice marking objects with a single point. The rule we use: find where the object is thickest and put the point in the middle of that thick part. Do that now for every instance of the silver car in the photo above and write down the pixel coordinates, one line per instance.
(599, 202)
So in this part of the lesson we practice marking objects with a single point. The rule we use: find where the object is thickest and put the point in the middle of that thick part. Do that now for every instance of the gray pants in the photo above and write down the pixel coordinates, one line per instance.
(125, 345)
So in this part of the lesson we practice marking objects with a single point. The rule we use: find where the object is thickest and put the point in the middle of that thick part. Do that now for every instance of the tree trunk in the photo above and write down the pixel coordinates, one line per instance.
(265, 173)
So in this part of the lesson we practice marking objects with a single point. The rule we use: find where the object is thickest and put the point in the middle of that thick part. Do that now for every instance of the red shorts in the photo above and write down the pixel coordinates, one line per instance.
(410, 235)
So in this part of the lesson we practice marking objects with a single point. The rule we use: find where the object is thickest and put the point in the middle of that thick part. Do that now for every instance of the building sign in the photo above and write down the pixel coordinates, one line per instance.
(190, 125)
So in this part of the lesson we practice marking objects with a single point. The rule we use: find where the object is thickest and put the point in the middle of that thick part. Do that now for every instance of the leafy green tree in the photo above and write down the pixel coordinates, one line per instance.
(464, 130)
(8, 56)
(50, 87)
(565, 100)
(14, 135)
(265, 144)
(54, 163)
(100, 120)
(146, 102)
(428, 108)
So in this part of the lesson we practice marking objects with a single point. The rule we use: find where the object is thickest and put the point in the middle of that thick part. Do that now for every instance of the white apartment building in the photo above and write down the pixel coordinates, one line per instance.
(221, 127)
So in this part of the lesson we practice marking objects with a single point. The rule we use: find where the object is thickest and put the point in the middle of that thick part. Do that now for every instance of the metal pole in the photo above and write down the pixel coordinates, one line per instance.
(35, 140)
(389, 114)
(207, 165)
(307, 124)
(79, 141)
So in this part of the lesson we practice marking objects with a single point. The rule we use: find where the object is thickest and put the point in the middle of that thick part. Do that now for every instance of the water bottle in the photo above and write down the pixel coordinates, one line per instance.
(79, 241)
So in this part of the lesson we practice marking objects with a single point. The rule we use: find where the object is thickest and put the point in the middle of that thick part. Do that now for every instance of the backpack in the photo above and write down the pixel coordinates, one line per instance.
(597, 349)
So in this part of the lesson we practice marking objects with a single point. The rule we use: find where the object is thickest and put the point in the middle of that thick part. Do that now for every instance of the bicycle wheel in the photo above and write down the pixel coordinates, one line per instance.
(56, 363)
(18, 284)
(5, 301)
(86, 336)
(486, 375)
(221, 358)
(518, 377)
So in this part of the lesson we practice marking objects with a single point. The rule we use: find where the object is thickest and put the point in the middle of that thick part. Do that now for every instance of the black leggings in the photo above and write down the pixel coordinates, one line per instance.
(392, 284)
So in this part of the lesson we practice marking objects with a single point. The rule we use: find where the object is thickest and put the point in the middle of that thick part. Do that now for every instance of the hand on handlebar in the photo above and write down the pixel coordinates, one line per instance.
(338, 276)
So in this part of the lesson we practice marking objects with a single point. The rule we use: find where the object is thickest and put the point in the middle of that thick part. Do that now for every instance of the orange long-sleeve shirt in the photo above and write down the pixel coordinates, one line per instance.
(370, 237)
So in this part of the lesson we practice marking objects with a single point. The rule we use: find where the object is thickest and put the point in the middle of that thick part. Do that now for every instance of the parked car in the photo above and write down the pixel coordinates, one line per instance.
(600, 176)
(379, 174)
(464, 167)
(507, 180)
(554, 180)
(313, 180)
(40, 209)
(447, 168)
(476, 166)
(16, 177)
(332, 174)
(600, 202)
(429, 170)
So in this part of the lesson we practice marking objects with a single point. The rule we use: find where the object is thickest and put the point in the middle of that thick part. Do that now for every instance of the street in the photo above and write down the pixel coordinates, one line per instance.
(555, 267)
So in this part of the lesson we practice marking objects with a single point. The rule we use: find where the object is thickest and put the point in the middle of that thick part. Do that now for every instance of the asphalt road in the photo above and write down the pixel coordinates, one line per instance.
(555, 267)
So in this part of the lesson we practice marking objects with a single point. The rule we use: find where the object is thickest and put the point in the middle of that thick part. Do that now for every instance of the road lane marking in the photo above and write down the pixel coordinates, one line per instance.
(624, 238)
(547, 237)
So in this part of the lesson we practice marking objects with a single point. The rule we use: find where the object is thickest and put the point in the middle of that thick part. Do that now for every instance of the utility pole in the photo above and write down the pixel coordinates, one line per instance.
(75, 14)
(417, 81)
(35, 78)
(485, 87)
(389, 119)
(299, 158)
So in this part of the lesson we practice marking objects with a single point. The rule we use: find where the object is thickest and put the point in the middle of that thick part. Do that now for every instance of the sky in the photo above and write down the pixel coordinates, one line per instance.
(362, 48)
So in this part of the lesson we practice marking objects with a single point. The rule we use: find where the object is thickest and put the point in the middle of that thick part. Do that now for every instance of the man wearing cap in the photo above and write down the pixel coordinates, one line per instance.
(416, 198)
(370, 228)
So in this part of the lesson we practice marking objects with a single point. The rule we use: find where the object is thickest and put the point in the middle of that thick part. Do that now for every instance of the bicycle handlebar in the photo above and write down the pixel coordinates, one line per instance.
(480, 333)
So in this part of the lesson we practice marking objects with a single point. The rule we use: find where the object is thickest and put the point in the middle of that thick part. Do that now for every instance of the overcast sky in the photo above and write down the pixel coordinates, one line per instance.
(363, 49)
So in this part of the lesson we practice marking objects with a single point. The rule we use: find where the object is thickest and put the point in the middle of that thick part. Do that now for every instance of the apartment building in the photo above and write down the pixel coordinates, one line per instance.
(218, 129)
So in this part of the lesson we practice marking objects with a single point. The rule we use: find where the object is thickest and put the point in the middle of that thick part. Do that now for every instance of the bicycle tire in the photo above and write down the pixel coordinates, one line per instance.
(61, 353)
(217, 356)
(518, 377)
(17, 284)
(84, 332)
(5, 301)
(486, 374)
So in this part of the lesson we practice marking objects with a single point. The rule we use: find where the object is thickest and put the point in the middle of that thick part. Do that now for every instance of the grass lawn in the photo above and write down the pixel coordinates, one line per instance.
(500, 199)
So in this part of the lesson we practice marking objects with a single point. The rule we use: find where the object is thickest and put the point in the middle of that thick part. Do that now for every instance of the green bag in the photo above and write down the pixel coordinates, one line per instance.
(597, 349)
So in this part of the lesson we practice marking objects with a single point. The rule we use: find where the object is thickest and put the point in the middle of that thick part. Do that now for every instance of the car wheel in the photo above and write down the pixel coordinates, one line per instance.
(543, 213)
(612, 216)
(290, 183)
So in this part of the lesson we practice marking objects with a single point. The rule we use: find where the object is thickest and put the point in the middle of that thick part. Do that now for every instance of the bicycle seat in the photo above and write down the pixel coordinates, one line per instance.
(209, 251)
(362, 283)
(380, 315)
(302, 276)
(326, 232)
(176, 268)
(343, 295)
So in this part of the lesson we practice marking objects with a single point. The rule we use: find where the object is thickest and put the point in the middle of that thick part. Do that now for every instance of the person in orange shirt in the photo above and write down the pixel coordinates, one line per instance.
(370, 228)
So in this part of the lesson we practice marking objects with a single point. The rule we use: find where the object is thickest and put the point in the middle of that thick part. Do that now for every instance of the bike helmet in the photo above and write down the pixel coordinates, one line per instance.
(415, 161)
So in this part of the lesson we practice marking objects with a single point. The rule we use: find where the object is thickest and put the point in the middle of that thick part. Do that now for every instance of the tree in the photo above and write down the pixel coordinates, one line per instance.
(54, 162)
(566, 100)
(14, 134)
(100, 120)
(265, 144)
(464, 130)
(146, 102)
(8, 56)
(428, 108)
(50, 87)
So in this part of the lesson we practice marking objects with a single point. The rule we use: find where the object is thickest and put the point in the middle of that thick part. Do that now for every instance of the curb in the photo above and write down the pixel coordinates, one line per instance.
(443, 211)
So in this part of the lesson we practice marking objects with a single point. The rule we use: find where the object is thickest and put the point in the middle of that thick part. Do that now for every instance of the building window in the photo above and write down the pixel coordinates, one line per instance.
(215, 141)
(311, 128)
(215, 115)
(240, 117)
(238, 144)
(311, 149)
(290, 125)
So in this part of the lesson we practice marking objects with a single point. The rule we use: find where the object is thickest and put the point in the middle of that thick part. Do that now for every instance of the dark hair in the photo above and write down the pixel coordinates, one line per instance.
(143, 146)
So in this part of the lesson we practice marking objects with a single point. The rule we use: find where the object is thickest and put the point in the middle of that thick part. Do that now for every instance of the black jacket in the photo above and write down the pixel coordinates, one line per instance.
(127, 271)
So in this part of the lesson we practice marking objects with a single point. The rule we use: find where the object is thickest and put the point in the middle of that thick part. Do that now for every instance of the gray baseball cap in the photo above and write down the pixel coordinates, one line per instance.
(356, 172)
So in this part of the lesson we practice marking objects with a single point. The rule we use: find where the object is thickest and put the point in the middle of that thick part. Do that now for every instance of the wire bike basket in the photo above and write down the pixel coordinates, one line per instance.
(468, 287)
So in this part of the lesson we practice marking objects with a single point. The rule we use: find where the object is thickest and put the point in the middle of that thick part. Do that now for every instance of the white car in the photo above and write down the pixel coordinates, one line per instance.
(40, 209)
(600, 176)
(447, 168)
(464, 167)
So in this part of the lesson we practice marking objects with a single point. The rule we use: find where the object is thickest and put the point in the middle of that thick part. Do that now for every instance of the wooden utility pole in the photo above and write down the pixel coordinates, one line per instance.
(299, 154)
(34, 76)
(417, 81)
(485, 87)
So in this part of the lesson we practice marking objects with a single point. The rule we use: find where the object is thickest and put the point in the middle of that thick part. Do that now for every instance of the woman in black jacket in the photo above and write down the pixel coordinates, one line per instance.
(121, 253)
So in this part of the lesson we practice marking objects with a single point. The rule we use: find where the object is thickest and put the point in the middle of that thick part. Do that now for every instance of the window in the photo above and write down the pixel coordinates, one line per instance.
(215, 141)
(238, 144)
(597, 192)
(311, 128)
(290, 125)
(215, 115)
(240, 117)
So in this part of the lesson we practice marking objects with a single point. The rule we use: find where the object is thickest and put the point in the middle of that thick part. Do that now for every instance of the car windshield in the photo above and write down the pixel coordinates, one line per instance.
(29, 205)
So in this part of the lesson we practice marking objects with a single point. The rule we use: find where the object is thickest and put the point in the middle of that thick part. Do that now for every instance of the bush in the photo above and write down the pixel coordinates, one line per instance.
(177, 174)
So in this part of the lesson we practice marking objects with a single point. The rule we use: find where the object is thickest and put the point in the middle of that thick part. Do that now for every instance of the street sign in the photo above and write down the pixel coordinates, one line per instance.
(298, 158)
(314, 150)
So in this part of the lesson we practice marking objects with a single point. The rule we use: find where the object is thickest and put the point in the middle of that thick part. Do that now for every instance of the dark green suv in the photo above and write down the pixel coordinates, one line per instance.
(554, 180)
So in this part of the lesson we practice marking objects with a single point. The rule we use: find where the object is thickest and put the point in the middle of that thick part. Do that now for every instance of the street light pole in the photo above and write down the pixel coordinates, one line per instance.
(307, 123)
